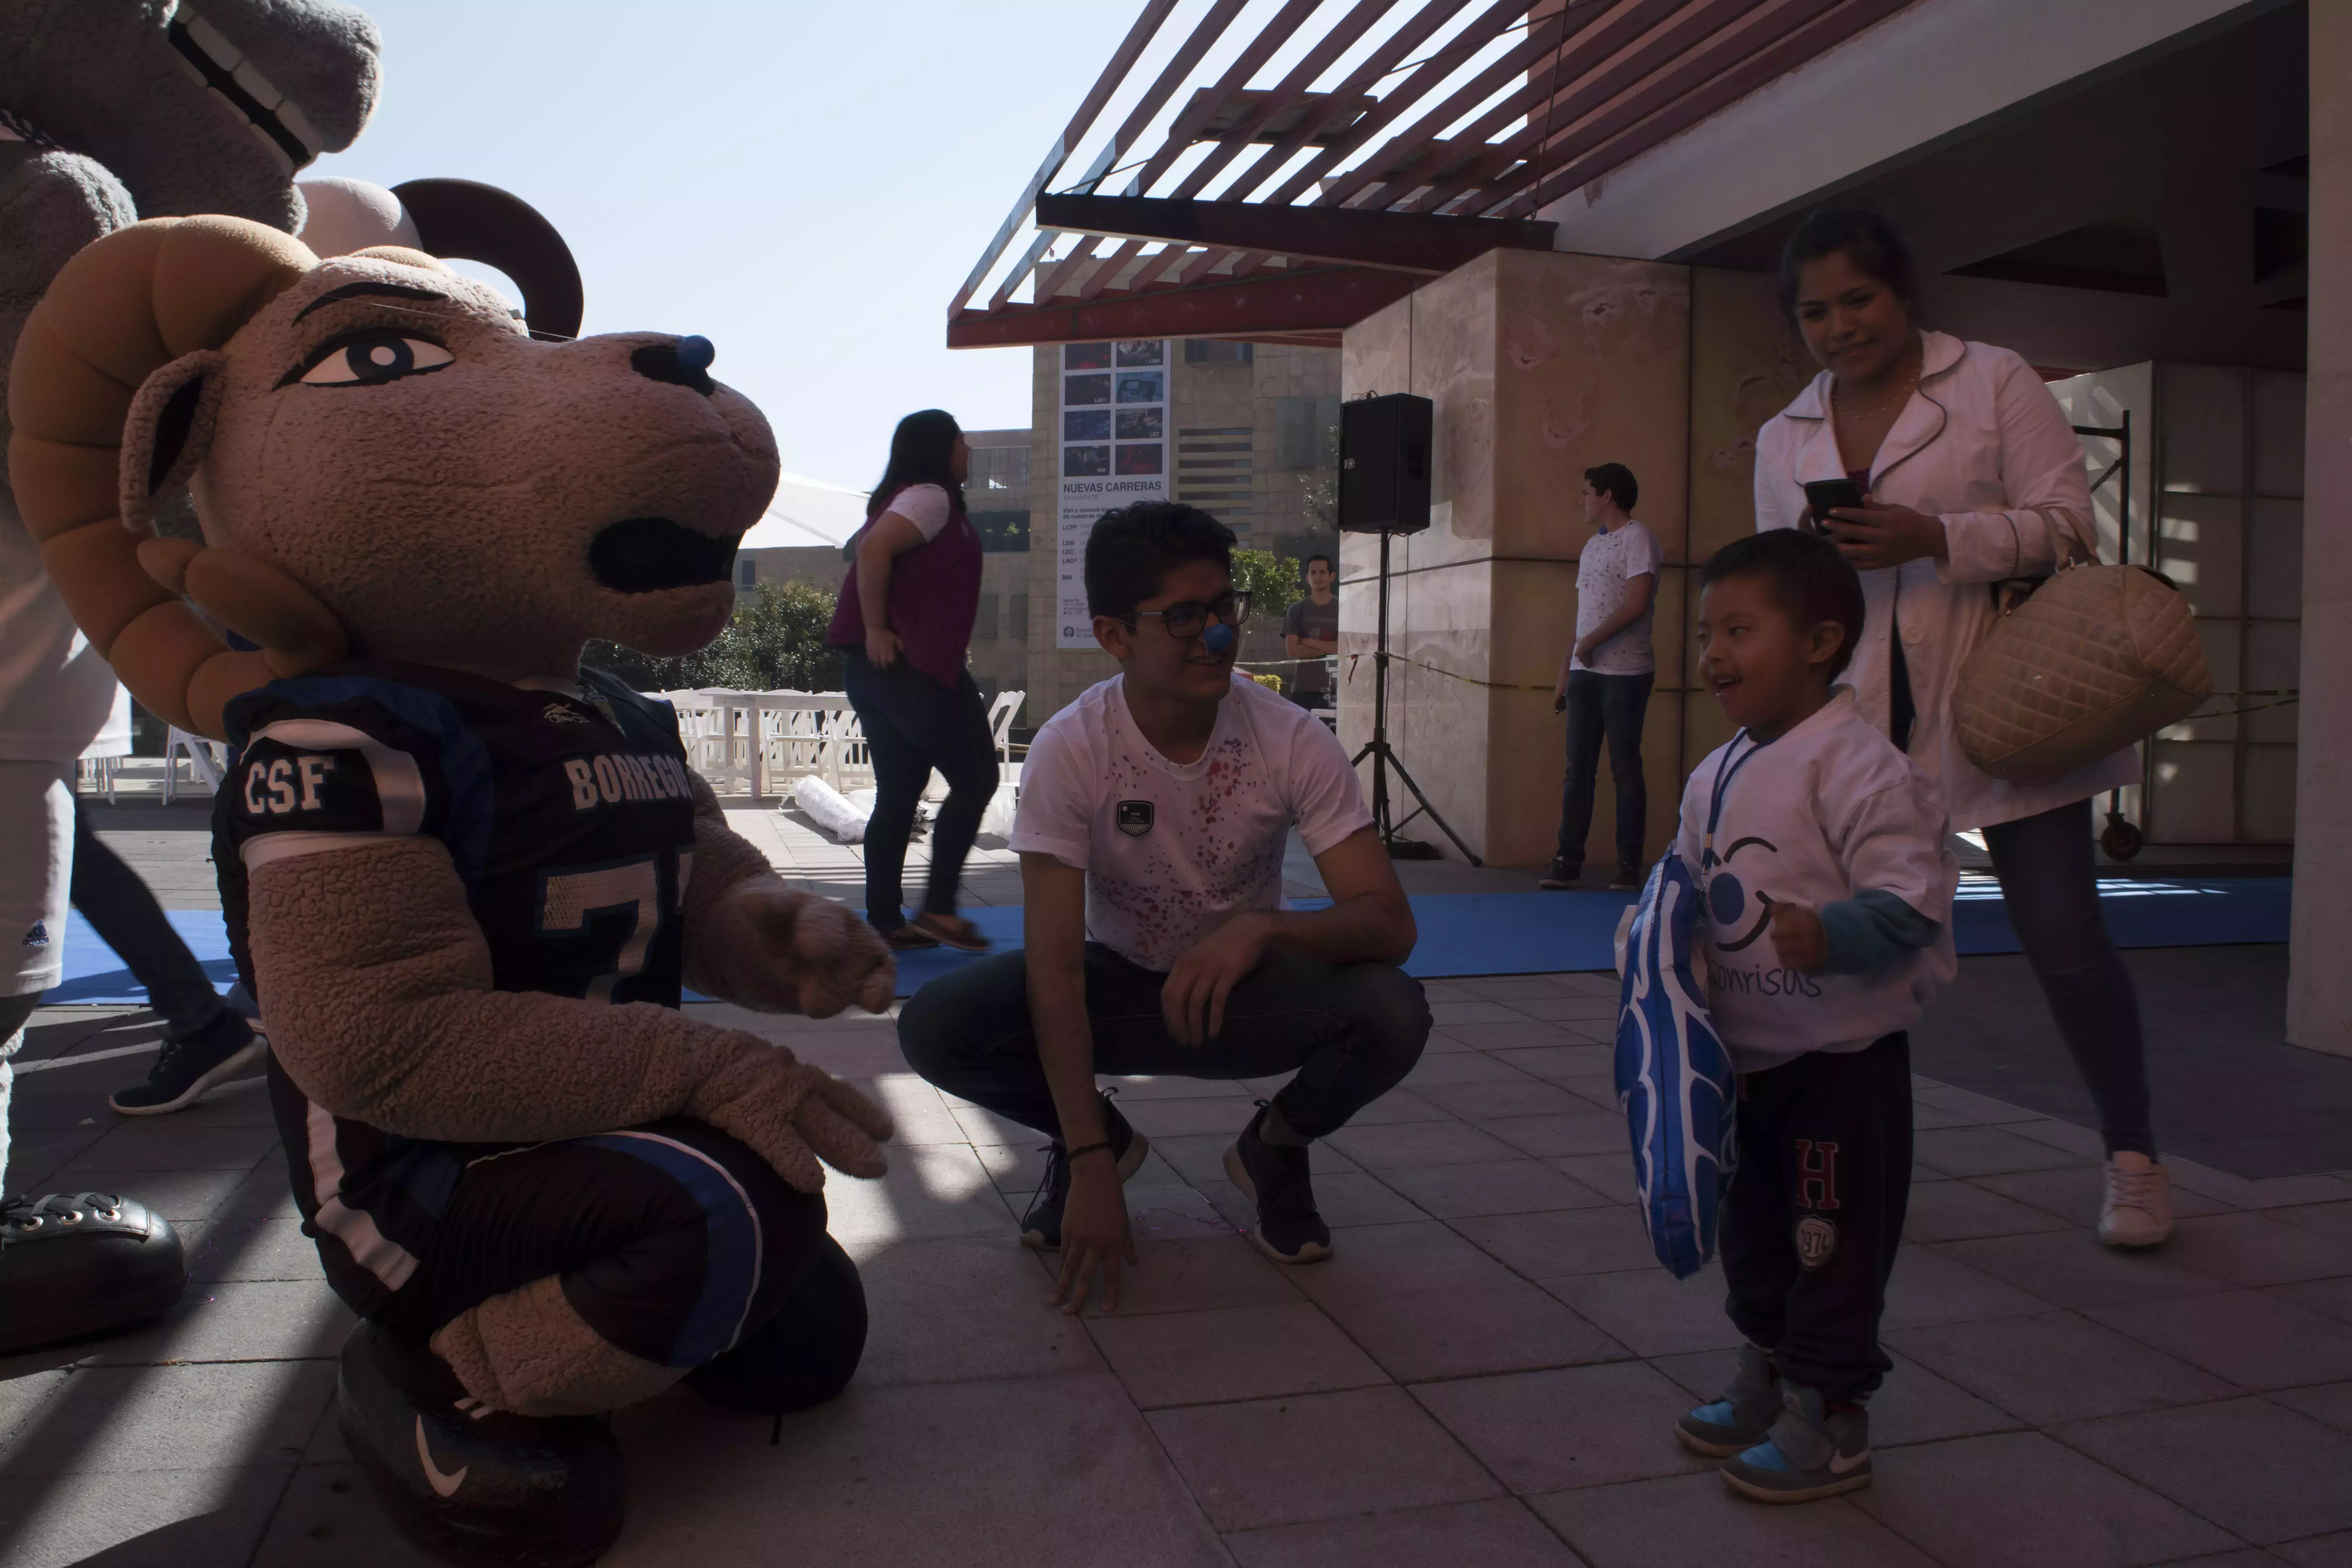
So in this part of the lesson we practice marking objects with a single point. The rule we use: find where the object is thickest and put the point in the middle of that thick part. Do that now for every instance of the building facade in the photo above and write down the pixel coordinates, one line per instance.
(1252, 436)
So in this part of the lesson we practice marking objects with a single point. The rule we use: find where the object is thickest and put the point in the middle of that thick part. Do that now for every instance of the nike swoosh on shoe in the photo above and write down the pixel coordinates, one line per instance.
(442, 1484)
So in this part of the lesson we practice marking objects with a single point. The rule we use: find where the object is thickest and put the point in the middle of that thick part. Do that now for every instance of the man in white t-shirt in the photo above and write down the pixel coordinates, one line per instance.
(1153, 815)
(1606, 676)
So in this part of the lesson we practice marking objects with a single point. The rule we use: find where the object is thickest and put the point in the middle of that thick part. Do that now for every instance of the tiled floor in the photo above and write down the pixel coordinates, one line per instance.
(1484, 1374)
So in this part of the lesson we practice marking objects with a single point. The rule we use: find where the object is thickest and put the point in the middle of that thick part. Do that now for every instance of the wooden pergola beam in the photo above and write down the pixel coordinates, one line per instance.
(1424, 244)
(1320, 300)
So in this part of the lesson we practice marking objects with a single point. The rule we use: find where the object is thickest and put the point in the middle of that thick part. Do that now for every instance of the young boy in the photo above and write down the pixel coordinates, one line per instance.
(1826, 892)
(1153, 814)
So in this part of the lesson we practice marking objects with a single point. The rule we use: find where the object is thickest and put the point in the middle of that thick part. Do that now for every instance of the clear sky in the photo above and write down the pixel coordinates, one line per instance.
(804, 184)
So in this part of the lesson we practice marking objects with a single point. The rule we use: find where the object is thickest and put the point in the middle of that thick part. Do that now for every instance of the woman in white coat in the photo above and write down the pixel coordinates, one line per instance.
(1974, 476)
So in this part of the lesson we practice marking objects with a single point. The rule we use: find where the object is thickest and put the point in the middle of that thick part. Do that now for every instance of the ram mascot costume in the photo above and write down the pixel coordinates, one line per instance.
(465, 878)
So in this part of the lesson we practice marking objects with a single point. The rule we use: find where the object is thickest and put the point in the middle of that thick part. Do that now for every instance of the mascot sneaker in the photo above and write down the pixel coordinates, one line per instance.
(1040, 1227)
(469, 1483)
(1811, 1452)
(189, 1067)
(82, 1263)
(2137, 1209)
(1274, 1177)
(1741, 1418)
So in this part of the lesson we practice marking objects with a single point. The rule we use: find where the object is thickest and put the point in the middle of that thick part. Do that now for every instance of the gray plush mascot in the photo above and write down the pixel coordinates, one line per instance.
(112, 111)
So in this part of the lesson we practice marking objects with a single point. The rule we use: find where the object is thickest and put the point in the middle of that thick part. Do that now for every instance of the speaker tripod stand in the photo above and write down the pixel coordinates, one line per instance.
(1384, 757)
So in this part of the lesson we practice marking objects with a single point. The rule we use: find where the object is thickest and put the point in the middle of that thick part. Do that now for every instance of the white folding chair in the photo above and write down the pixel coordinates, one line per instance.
(207, 760)
(1001, 714)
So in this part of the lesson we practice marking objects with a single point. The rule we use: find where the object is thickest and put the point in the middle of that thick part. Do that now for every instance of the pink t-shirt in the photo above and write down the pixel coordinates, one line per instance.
(1172, 851)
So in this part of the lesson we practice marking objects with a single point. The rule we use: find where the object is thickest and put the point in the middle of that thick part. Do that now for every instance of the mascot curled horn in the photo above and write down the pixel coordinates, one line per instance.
(464, 877)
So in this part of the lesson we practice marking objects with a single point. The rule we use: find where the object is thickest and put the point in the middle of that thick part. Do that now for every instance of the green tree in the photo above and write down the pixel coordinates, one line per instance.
(774, 641)
(1271, 580)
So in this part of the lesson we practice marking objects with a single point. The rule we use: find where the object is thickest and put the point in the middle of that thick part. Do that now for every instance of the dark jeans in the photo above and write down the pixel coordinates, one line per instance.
(912, 725)
(674, 1242)
(2050, 889)
(1349, 1031)
(1815, 1212)
(124, 913)
(1605, 707)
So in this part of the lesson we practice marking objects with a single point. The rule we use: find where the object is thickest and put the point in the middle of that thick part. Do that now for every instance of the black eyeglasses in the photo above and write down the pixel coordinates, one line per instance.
(1188, 620)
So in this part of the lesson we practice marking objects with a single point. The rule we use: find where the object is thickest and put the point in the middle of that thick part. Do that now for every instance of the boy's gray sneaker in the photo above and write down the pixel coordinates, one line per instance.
(1811, 1451)
(1739, 1420)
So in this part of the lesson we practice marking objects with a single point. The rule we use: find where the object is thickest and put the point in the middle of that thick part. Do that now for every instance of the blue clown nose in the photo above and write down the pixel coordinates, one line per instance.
(696, 354)
(1217, 638)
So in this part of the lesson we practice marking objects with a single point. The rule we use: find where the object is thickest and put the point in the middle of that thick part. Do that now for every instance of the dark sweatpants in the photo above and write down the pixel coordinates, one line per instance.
(1349, 1031)
(123, 909)
(1816, 1209)
(675, 1243)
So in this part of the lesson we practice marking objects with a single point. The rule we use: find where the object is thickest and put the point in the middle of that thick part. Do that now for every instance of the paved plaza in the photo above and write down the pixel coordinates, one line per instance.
(1484, 1374)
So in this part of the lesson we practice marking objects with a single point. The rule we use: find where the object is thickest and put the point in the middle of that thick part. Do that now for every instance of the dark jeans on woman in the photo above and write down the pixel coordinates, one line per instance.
(1349, 1031)
(2051, 892)
(1605, 707)
(124, 913)
(674, 1242)
(912, 725)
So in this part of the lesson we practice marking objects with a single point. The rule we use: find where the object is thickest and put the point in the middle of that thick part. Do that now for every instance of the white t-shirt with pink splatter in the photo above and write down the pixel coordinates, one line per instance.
(1172, 850)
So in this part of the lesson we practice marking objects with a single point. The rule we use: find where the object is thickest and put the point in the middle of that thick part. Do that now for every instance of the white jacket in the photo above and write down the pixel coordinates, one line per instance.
(1826, 811)
(1981, 442)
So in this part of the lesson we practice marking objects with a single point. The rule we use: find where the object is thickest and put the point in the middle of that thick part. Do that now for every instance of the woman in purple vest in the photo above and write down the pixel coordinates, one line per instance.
(903, 624)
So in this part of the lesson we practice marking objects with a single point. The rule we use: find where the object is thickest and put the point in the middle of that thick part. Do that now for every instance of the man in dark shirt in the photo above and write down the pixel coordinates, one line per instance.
(1310, 633)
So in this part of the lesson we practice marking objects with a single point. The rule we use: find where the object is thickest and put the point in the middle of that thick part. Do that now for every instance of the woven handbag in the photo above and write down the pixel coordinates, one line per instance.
(2080, 665)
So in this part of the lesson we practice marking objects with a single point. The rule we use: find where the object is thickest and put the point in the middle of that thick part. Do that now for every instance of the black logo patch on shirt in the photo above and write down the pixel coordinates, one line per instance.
(1134, 817)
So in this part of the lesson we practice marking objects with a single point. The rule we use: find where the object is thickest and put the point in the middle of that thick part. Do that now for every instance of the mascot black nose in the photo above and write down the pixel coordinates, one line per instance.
(685, 362)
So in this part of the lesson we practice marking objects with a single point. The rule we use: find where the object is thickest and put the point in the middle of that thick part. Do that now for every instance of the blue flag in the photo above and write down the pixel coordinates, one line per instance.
(1674, 1078)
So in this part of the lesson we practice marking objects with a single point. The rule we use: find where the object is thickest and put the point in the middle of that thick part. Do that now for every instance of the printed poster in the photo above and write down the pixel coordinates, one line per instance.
(1114, 447)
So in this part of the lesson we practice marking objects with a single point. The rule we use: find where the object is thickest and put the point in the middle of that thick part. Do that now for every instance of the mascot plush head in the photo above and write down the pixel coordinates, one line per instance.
(384, 464)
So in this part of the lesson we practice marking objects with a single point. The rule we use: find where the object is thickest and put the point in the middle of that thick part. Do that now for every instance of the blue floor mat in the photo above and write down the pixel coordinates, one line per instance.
(1461, 933)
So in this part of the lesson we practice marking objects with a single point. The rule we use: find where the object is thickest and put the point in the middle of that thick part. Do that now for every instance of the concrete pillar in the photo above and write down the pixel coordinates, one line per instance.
(1541, 364)
(2319, 984)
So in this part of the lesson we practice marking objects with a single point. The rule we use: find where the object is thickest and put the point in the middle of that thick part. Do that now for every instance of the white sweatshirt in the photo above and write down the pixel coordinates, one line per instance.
(1829, 810)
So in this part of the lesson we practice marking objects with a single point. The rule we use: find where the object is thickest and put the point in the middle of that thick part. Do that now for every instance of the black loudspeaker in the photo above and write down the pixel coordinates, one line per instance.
(1384, 452)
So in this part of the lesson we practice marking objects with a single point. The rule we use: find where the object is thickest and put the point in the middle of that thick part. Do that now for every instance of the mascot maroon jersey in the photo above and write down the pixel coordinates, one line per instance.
(570, 819)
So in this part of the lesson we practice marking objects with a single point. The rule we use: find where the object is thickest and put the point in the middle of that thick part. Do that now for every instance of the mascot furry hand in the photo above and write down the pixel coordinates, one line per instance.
(464, 877)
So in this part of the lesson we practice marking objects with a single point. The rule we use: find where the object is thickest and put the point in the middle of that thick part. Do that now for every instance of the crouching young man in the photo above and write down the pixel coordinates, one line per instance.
(1153, 814)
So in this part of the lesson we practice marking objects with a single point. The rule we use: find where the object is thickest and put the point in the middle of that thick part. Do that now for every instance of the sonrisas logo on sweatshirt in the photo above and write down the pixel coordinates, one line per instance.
(1722, 977)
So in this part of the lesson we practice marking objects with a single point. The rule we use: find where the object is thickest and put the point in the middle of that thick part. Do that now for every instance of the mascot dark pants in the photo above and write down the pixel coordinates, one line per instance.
(672, 1241)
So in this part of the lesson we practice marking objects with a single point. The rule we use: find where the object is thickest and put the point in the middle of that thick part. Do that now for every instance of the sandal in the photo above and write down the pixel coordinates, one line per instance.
(954, 930)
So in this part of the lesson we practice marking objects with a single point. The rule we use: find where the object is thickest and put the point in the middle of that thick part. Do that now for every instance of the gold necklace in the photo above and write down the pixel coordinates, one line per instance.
(1901, 396)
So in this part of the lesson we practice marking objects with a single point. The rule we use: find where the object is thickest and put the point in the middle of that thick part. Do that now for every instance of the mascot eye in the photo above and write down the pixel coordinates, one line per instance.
(367, 358)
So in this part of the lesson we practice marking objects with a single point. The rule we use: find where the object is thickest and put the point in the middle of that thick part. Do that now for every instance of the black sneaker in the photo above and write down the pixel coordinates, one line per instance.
(189, 1067)
(1274, 1176)
(1040, 1227)
(1562, 873)
(467, 1482)
(74, 1264)
(1628, 880)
